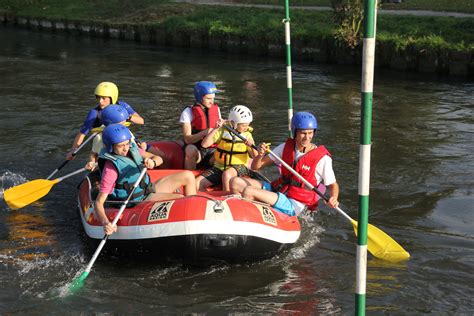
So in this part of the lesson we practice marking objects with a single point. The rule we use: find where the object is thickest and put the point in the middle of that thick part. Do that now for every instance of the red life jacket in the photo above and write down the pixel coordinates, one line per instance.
(292, 186)
(204, 118)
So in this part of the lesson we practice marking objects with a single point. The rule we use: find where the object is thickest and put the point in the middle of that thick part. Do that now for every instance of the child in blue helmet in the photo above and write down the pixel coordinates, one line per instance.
(197, 121)
(112, 114)
(106, 94)
(288, 193)
(120, 164)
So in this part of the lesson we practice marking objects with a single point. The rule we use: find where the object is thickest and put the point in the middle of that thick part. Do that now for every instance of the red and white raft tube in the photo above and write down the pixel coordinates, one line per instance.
(209, 225)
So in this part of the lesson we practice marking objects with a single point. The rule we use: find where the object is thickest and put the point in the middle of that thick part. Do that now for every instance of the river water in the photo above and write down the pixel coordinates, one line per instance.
(421, 183)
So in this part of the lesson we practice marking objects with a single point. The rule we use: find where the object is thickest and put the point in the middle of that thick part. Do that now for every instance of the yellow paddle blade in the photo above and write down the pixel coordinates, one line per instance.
(382, 246)
(26, 193)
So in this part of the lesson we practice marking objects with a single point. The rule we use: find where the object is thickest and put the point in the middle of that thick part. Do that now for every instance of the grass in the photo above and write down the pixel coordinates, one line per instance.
(465, 6)
(429, 32)
(250, 23)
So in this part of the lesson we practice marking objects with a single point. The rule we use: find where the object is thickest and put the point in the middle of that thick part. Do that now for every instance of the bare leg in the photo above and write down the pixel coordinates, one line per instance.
(226, 176)
(256, 194)
(202, 183)
(238, 184)
(171, 183)
(157, 196)
(191, 157)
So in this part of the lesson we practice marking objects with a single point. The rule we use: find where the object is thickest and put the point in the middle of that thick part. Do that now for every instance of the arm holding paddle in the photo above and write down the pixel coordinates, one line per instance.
(107, 183)
(262, 159)
(100, 211)
(78, 140)
(208, 140)
(333, 195)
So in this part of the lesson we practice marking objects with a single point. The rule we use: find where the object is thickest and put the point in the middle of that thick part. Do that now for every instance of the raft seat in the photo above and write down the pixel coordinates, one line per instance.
(172, 153)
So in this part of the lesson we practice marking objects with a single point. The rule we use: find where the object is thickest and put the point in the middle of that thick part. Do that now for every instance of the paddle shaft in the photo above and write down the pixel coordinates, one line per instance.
(69, 175)
(309, 185)
(116, 219)
(73, 154)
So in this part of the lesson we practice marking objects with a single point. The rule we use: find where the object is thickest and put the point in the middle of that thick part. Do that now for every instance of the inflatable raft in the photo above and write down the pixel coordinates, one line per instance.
(212, 225)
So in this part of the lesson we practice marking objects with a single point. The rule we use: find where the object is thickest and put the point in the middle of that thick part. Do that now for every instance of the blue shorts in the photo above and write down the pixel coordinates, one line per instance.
(283, 204)
(267, 186)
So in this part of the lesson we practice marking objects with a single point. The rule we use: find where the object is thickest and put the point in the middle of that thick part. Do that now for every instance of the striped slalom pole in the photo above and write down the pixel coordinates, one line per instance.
(289, 83)
(368, 56)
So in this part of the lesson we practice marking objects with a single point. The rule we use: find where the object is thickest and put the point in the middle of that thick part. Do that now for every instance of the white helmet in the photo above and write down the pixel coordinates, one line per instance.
(240, 114)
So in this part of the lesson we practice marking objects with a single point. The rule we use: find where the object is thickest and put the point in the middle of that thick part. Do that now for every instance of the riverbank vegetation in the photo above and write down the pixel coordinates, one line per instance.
(421, 32)
(255, 25)
(465, 6)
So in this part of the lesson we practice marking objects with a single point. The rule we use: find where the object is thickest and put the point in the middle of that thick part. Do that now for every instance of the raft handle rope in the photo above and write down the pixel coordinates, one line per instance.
(238, 197)
(218, 208)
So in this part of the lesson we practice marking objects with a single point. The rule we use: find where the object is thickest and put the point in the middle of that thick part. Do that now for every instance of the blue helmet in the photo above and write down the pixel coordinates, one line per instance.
(113, 114)
(303, 120)
(114, 134)
(202, 88)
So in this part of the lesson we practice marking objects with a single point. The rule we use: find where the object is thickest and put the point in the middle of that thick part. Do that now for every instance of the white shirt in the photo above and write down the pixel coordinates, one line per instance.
(186, 116)
(323, 173)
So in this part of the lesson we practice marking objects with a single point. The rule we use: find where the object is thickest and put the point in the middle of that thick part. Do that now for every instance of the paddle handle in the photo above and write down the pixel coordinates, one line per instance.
(306, 182)
(114, 222)
(73, 154)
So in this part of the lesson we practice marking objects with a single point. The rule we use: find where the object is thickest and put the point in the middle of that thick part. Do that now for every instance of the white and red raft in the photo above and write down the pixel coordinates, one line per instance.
(211, 225)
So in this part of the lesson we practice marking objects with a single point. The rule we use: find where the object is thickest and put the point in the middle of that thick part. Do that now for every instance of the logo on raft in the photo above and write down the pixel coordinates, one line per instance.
(267, 215)
(160, 211)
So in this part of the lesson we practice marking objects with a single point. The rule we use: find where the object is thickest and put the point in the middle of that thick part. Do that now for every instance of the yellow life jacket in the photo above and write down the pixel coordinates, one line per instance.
(231, 150)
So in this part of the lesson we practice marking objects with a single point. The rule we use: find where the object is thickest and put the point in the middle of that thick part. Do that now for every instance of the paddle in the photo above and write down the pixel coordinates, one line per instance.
(79, 281)
(95, 131)
(94, 134)
(21, 195)
(380, 245)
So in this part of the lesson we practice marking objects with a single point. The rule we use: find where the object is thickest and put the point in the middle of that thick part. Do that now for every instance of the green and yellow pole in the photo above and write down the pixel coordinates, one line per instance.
(368, 57)
(289, 83)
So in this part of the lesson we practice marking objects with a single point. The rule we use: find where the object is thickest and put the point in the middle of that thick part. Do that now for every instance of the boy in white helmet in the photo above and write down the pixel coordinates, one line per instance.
(232, 155)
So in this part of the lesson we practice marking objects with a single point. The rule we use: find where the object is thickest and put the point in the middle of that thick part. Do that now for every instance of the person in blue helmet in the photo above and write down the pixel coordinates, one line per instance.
(120, 164)
(288, 194)
(197, 121)
(112, 114)
(106, 94)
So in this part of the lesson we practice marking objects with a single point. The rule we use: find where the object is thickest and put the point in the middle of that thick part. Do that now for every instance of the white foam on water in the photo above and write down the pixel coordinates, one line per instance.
(310, 232)
(9, 179)
(46, 277)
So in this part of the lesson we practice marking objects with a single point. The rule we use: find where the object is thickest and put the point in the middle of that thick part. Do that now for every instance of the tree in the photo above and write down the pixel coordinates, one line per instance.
(348, 15)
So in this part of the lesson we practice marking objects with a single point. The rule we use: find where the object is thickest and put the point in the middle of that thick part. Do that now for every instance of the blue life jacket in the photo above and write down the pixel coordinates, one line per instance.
(128, 169)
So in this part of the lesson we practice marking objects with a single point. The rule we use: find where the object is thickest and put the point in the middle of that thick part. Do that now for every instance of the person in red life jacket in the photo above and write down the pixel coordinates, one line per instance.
(120, 164)
(106, 93)
(288, 194)
(197, 121)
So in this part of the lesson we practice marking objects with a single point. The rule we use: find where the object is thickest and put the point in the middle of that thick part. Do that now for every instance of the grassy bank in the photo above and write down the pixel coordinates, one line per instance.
(432, 33)
(464, 6)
